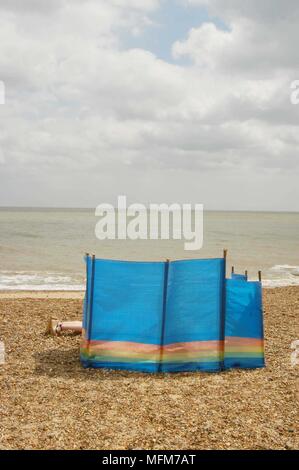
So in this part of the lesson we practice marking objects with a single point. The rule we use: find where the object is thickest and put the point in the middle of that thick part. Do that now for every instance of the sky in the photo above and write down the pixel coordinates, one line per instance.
(182, 101)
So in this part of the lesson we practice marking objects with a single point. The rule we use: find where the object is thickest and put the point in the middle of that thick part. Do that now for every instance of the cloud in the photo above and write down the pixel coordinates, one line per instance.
(82, 107)
(260, 38)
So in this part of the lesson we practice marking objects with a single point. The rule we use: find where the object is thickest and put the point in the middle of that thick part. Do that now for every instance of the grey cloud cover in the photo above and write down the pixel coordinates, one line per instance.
(86, 119)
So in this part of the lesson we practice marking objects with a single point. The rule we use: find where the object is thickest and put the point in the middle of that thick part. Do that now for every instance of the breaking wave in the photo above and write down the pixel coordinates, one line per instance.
(282, 275)
(24, 280)
(277, 276)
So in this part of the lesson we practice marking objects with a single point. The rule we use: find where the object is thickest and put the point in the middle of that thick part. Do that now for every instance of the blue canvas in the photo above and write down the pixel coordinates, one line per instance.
(169, 317)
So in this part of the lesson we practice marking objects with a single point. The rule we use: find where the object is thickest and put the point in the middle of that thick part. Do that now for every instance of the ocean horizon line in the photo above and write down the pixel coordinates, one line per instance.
(65, 208)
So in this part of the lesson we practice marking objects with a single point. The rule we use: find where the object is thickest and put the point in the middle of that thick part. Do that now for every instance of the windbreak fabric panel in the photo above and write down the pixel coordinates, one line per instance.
(192, 338)
(244, 337)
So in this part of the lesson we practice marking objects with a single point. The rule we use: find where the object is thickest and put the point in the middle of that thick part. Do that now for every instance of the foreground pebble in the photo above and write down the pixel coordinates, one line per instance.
(48, 401)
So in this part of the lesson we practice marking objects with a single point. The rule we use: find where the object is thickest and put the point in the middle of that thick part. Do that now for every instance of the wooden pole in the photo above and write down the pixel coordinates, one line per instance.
(246, 274)
(166, 271)
(225, 257)
(89, 323)
(233, 269)
(260, 276)
(222, 316)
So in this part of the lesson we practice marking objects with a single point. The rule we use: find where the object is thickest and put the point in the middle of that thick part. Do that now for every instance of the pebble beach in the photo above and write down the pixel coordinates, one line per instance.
(48, 401)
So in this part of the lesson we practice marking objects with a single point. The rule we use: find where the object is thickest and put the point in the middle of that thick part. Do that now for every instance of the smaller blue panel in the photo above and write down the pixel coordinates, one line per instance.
(244, 315)
(244, 319)
(239, 277)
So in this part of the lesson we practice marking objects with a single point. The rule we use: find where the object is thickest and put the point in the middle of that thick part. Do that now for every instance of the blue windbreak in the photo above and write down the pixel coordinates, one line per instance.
(169, 316)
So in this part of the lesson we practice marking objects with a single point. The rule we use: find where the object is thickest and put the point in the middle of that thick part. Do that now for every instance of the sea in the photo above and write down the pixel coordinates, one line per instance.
(43, 249)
